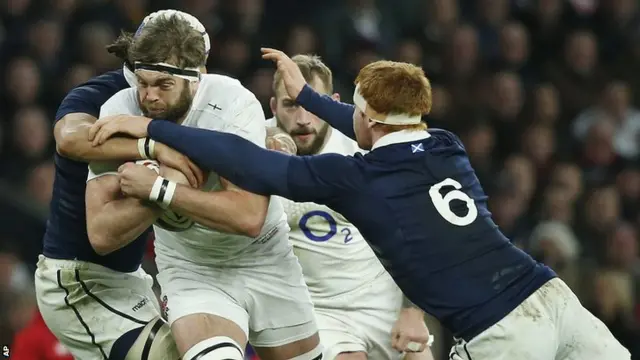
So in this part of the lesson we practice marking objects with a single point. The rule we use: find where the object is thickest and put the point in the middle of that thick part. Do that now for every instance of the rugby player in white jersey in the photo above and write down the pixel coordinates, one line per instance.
(231, 276)
(359, 308)
(99, 303)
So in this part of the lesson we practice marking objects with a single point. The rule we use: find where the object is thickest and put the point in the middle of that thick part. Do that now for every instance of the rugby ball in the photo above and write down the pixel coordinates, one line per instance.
(169, 220)
(172, 221)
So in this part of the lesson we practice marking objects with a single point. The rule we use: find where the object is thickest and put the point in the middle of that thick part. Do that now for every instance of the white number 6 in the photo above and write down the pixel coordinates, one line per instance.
(442, 203)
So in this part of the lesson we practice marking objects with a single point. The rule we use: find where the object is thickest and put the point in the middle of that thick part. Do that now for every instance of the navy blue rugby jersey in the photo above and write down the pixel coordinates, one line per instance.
(66, 233)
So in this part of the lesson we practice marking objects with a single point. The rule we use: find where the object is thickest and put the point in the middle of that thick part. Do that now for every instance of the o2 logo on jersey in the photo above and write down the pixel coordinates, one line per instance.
(442, 203)
(333, 227)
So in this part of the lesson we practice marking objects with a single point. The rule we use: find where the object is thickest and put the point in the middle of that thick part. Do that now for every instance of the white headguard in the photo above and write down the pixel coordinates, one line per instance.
(193, 21)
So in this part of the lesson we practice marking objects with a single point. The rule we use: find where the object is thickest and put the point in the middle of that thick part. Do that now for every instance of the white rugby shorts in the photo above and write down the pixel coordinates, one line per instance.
(88, 306)
(550, 324)
(361, 320)
(268, 301)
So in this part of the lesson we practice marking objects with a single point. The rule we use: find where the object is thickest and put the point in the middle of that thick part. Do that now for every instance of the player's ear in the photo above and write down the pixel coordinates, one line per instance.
(273, 104)
(335, 96)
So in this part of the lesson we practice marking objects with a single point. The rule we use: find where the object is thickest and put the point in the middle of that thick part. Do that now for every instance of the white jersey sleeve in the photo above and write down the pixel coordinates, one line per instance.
(122, 103)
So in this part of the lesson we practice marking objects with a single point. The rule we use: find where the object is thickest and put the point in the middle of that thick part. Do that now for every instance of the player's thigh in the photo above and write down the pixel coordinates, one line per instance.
(88, 311)
(585, 337)
(379, 307)
(281, 313)
(339, 334)
(307, 348)
(276, 295)
(528, 332)
(200, 307)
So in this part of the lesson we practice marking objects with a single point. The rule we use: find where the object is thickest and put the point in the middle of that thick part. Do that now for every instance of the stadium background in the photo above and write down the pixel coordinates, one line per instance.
(544, 93)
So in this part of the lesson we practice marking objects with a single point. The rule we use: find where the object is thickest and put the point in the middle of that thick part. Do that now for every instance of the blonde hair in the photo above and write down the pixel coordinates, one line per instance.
(311, 66)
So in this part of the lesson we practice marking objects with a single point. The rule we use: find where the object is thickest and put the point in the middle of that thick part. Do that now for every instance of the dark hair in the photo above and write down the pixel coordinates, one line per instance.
(168, 39)
(120, 47)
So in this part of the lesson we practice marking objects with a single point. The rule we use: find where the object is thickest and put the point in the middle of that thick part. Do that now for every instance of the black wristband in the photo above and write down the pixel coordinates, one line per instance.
(147, 150)
(163, 190)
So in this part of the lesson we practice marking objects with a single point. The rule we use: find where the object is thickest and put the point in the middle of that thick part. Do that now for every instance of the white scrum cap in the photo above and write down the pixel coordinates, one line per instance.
(193, 21)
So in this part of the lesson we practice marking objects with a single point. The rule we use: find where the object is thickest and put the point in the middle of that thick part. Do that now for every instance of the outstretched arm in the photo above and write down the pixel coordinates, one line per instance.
(261, 171)
(336, 113)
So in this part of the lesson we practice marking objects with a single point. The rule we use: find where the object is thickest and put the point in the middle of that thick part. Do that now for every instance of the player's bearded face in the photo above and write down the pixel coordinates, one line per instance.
(166, 103)
(307, 130)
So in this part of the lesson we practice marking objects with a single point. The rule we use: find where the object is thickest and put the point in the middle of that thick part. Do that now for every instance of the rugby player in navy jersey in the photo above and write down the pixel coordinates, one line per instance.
(97, 300)
(418, 202)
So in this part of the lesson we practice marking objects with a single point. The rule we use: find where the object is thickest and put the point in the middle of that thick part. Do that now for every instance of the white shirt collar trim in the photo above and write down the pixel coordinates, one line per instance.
(401, 136)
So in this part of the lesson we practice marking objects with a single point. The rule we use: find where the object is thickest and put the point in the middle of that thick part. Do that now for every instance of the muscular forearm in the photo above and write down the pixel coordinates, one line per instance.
(336, 113)
(225, 211)
(243, 163)
(119, 223)
(76, 145)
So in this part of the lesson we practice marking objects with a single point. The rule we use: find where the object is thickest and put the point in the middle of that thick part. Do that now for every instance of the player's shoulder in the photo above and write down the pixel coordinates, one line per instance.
(218, 90)
(340, 143)
(443, 140)
(223, 103)
(447, 157)
(114, 79)
(89, 96)
(104, 86)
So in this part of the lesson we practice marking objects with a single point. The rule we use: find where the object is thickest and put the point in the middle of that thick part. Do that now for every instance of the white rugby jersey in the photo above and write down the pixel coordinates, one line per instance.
(220, 103)
(335, 258)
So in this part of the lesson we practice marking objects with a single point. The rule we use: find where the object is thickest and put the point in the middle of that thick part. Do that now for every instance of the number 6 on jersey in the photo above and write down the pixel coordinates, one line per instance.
(443, 203)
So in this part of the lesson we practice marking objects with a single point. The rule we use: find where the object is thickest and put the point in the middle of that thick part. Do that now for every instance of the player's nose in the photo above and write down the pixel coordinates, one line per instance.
(152, 94)
(304, 118)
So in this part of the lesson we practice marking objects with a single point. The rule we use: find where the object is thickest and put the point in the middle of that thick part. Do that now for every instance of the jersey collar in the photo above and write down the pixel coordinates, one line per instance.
(401, 136)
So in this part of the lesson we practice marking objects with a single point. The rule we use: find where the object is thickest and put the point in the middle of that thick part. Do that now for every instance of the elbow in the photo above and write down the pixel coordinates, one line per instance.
(101, 243)
(253, 224)
(65, 145)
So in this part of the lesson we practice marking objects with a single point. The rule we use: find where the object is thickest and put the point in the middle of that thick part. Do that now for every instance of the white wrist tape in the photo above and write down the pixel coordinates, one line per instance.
(162, 192)
(147, 148)
(151, 164)
(152, 148)
(413, 346)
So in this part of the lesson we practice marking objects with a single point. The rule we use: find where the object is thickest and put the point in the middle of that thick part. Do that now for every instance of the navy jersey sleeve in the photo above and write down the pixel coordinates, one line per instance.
(261, 171)
(338, 114)
(89, 97)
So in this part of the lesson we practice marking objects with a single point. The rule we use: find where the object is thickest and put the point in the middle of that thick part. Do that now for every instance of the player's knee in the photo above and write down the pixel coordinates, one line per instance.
(215, 348)
(152, 341)
(315, 354)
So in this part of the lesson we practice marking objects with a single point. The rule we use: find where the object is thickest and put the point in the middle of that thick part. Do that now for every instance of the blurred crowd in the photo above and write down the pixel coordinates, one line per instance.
(545, 95)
